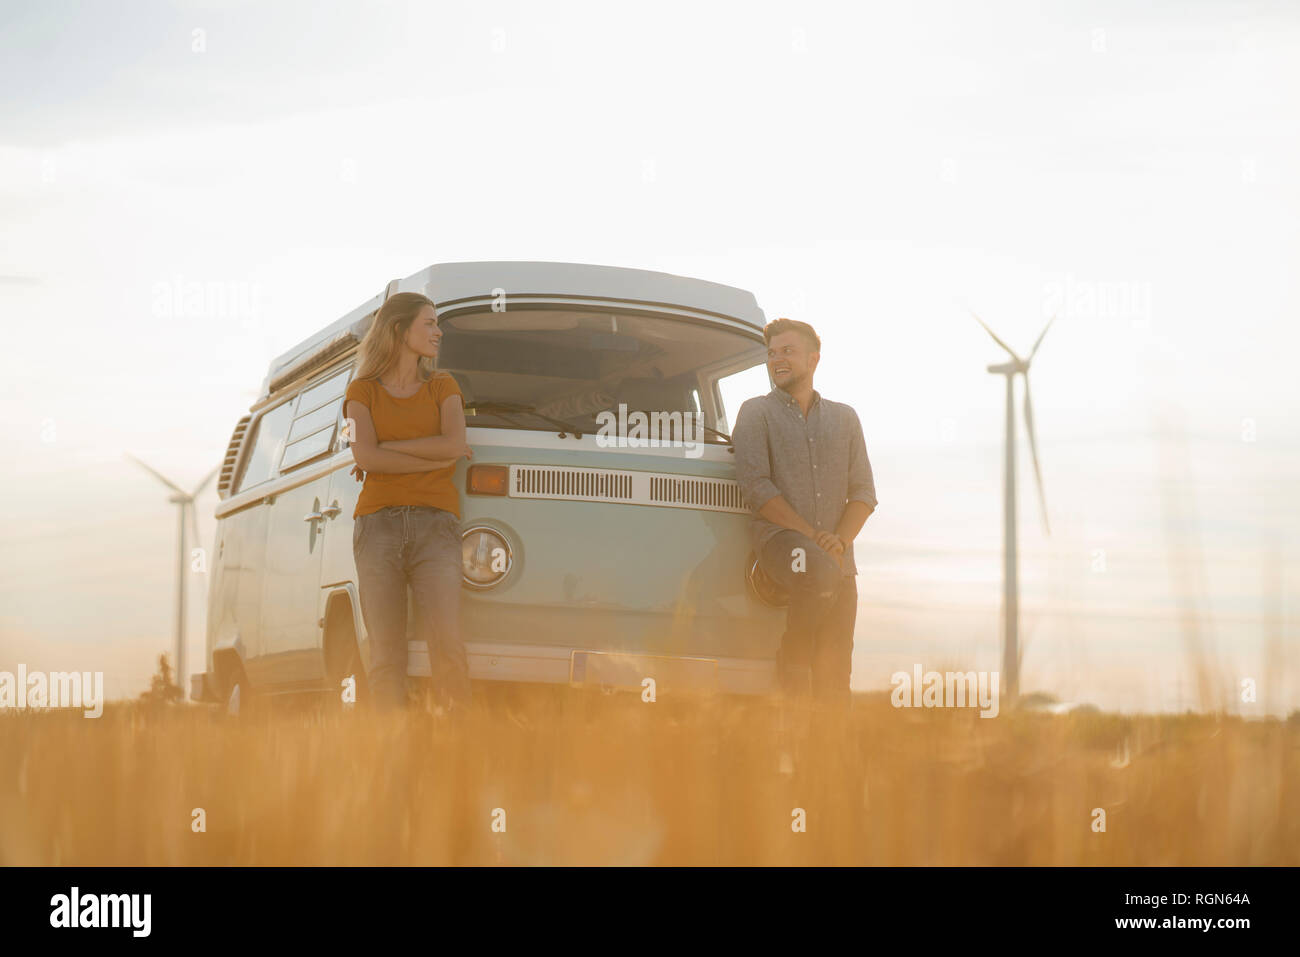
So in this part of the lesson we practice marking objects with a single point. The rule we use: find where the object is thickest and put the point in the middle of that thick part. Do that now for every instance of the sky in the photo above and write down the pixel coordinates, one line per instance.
(878, 170)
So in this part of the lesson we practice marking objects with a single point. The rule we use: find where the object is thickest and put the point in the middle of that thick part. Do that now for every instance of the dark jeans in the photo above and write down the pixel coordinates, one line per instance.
(419, 545)
(816, 654)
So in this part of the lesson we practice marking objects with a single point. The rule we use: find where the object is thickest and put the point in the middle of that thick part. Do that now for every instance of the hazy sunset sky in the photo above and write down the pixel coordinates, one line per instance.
(874, 169)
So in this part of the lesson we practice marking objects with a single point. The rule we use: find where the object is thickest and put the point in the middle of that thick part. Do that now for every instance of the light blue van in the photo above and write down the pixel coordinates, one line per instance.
(600, 547)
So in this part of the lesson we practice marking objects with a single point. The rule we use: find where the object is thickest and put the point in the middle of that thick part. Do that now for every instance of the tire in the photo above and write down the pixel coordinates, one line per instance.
(242, 701)
(345, 661)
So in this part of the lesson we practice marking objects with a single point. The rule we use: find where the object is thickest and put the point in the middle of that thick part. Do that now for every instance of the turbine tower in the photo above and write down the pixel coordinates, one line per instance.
(1010, 583)
(186, 501)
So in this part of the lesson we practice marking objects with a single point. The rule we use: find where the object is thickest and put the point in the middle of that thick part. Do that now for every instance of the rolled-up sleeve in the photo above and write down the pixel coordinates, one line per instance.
(862, 484)
(753, 464)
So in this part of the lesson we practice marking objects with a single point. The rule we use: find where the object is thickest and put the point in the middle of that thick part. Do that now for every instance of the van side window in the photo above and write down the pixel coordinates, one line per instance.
(734, 389)
(318, 393)
(315, 422)
(270, 432)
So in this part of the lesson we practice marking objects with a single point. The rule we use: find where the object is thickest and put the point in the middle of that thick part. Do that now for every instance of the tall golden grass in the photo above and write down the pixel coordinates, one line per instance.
(585, 778)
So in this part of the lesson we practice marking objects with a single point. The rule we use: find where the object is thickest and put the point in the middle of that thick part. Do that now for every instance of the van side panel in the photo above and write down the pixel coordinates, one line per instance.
(290, 633)
(242, 558)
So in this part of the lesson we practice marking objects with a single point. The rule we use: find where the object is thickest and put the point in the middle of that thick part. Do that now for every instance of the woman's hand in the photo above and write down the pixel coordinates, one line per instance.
(360, 474)
(370, 457)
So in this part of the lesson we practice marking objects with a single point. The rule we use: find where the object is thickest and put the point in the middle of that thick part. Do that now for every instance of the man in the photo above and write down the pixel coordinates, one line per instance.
(802, 464)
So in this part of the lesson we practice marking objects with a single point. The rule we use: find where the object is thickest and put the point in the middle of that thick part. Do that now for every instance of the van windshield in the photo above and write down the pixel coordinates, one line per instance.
(545, 369)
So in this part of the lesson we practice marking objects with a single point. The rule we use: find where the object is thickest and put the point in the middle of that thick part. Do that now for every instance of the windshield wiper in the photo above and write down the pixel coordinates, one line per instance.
(731, 446)
(505, 408)
(712, 431)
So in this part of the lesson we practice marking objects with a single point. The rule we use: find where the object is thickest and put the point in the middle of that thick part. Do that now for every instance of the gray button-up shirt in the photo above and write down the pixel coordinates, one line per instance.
(819, 464)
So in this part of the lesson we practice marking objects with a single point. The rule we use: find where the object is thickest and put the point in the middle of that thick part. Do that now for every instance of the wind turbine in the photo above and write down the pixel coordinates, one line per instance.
(186, 501)
(1010, 584)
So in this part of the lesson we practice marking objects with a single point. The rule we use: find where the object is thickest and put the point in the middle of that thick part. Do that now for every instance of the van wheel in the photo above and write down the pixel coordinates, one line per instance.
(243, 701)
(344, 659)
(354, 670)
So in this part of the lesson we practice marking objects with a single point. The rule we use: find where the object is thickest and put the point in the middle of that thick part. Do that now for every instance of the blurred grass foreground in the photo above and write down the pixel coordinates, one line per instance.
(553, 776)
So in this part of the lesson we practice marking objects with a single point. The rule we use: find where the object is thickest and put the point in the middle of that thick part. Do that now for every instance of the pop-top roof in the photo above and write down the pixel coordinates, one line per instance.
(450, 283)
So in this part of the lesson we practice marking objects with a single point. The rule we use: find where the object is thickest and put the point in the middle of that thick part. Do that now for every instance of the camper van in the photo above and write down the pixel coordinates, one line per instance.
(593, 553)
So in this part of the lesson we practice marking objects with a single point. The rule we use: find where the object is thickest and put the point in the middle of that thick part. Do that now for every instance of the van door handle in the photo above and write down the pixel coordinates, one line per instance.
(332, 510)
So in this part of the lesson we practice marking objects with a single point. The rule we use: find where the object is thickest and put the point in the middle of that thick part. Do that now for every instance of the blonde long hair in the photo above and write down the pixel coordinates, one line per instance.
(382, 344)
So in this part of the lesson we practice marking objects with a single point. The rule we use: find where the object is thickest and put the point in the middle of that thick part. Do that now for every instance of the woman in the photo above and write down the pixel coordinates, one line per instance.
(407, 433)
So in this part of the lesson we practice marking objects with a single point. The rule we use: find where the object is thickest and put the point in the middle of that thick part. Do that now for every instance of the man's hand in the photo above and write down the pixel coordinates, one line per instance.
(357, 471)
(833, 545)
(831, 542)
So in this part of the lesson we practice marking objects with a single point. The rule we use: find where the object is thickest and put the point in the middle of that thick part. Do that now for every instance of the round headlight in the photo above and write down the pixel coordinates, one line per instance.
(485, 556)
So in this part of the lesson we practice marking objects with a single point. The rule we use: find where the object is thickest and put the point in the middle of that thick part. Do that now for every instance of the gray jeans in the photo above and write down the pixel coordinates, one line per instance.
(816, 654)
(420, 546)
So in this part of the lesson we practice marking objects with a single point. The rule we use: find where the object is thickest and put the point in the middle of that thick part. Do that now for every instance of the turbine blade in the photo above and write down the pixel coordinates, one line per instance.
(995, 338)
(1039, 340)
(158, 475)
(1033, 451)
(202, 485)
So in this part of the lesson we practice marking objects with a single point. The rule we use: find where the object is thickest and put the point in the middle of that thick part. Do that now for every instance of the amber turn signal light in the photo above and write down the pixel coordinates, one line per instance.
(487, 479)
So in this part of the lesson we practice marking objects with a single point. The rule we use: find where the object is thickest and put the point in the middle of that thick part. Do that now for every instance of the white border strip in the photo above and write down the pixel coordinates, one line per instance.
(493, 438)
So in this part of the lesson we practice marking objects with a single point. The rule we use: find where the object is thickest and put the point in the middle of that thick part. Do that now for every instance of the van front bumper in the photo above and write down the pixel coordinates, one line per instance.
(552, 664)
(201, 689)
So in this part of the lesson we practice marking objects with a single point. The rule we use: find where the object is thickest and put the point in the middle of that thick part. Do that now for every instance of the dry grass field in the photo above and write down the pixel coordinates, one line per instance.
(583, 778)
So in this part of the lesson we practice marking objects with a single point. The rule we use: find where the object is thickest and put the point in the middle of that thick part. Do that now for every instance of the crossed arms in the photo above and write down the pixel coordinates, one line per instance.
(409, 455)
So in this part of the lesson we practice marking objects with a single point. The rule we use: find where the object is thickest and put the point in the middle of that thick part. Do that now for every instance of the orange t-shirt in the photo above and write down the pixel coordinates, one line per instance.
(414, 417)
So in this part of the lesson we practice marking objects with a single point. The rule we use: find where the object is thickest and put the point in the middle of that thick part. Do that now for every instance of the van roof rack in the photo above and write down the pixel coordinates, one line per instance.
(449, 284)
(319, 350)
